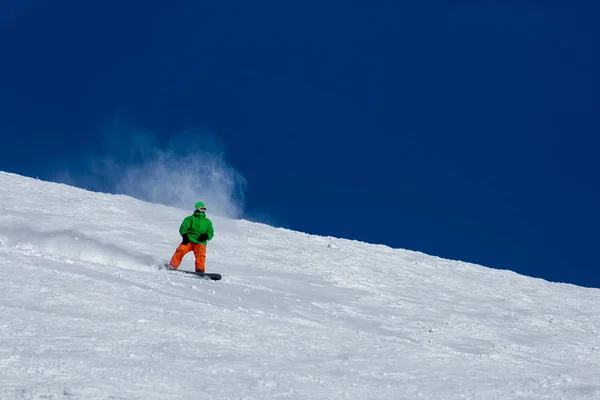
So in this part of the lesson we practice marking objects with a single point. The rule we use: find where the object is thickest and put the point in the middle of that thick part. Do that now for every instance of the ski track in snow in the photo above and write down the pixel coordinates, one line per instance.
(87, 314)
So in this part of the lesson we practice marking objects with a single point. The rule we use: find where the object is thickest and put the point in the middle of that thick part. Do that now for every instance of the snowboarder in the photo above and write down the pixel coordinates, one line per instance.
(195, 230)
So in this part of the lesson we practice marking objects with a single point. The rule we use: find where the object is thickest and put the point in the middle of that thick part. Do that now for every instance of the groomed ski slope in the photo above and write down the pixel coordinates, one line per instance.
(85, 313)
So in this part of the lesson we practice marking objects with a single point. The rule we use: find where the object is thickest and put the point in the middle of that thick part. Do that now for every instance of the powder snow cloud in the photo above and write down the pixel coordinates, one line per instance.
(187, 167)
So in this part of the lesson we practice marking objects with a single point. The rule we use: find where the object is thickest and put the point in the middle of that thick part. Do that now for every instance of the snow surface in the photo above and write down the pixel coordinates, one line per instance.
(86, 314)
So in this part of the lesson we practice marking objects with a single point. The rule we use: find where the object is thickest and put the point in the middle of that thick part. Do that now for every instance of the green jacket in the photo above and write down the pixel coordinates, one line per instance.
(195, 225)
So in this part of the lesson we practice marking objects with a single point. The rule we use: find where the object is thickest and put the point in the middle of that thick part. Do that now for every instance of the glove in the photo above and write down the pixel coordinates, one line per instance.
(203, 237)
(186, 239)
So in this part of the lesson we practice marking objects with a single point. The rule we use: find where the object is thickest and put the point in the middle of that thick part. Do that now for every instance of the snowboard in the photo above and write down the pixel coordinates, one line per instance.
(207, 275)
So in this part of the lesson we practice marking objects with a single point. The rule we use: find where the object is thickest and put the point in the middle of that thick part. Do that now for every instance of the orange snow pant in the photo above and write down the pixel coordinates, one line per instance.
(199, 251)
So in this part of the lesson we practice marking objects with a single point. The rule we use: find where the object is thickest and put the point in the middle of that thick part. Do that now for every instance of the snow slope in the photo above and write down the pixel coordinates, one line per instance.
(85, 313)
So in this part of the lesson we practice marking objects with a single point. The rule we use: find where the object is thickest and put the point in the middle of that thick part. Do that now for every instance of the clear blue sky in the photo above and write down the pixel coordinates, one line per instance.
(467, 130)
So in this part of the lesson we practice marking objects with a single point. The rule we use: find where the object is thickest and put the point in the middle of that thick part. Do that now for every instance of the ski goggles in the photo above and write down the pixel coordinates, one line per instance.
(202, 209)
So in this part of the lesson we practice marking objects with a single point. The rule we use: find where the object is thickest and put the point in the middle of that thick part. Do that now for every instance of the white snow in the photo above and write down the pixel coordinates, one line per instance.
(85, 313)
